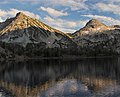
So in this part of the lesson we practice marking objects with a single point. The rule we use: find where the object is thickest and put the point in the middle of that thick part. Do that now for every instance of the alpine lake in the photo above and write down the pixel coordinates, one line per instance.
(85, 77)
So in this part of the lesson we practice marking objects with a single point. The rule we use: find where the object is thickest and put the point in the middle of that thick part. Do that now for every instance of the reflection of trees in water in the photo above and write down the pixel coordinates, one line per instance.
(95, 85)
(24, 91)
(94, 73)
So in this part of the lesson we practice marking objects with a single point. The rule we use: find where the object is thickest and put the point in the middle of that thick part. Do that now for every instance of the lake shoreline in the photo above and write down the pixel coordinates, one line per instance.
(56, 58)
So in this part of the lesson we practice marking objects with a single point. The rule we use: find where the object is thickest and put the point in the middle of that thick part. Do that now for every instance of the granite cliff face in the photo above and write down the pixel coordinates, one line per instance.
(97, 38)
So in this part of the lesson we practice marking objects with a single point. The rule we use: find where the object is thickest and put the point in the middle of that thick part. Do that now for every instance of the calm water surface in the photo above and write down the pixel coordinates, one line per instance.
(92, 77)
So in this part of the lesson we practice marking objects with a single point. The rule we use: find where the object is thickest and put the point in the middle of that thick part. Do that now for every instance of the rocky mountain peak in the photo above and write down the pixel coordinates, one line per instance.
(23, 29)
(94, 23)
(20, 14)
(22, 21)
(15, 23)
(91, 27)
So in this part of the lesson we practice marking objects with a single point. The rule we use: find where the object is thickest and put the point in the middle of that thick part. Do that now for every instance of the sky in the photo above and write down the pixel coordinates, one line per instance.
(64, 15)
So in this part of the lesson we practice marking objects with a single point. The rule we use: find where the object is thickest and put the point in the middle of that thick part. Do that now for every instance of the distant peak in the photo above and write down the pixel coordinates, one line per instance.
(95, 23)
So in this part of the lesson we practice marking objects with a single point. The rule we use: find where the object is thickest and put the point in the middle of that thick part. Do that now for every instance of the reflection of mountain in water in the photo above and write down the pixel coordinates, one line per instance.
(88, 76)
(67, 88)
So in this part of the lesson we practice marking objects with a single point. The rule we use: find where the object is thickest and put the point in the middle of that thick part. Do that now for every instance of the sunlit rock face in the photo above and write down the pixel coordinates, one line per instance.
(23, 29)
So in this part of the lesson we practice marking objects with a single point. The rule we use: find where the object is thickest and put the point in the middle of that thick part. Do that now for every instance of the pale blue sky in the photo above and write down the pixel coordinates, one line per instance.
(64, 15)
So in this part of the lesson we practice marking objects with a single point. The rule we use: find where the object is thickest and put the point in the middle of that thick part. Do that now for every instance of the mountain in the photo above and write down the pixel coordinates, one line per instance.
(93, 26)
(97, 38)
(26, 37)
(23, 29)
